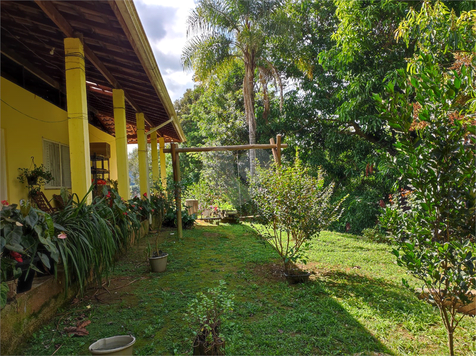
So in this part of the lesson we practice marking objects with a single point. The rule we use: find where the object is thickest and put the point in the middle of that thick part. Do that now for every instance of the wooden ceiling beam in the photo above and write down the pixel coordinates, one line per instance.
(14, 56)
(55, 16)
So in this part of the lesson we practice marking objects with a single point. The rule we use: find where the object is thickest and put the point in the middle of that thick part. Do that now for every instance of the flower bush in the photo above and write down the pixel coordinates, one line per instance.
(141, 207)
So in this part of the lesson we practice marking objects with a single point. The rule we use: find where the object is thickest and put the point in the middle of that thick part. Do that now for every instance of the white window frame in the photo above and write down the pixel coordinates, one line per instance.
(46, 164)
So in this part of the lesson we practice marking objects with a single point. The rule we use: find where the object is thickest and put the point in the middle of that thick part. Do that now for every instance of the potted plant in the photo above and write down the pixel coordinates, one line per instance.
(36, 176)
(205, 315)
(26, 237)
(158, 258)
(294, 207)
(10, 254)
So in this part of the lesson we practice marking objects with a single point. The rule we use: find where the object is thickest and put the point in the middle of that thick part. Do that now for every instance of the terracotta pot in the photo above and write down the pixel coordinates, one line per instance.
(158, 264)
(116, 345)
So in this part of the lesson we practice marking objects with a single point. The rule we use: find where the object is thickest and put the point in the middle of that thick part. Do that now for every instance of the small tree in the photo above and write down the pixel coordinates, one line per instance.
(293, 207)
(205, 315)
(432, 108)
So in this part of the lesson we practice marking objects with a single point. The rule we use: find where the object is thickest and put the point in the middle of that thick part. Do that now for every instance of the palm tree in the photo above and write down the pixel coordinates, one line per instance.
(221, 31)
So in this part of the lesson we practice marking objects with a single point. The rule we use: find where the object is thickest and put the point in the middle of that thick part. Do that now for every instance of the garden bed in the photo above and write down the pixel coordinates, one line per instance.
(30, 310)
(354, 302)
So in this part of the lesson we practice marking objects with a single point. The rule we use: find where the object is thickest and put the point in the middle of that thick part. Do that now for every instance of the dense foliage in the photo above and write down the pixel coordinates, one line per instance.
(221, 32)
(332, 58)
(431, 107)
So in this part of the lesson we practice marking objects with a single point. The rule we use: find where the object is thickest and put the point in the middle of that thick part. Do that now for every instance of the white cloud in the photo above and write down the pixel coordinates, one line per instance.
(164, 22)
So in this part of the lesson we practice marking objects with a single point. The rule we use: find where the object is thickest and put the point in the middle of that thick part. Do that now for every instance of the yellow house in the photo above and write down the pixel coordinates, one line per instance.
(75, 73)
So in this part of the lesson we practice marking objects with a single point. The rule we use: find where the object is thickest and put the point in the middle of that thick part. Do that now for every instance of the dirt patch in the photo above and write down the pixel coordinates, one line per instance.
(273, 272)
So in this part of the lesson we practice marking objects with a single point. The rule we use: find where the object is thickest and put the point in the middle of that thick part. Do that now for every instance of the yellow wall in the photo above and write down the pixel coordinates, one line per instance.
(96, 135)
(28, 119)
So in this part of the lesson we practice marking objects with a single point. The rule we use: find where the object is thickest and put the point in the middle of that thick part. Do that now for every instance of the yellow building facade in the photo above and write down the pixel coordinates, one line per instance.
(29, 123)
(80, 84)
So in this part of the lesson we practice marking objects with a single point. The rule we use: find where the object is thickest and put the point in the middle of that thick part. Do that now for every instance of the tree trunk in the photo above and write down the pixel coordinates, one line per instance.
(250, 110)
(450, 343)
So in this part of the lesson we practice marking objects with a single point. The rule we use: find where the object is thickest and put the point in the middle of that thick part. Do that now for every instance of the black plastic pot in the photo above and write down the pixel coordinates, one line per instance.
(25, 281)
(43, 269)
(297, 278)
(32, 180)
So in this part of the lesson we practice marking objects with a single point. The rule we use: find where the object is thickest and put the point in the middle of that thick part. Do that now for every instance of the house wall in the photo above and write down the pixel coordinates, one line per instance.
(26, 120)
(96, 135)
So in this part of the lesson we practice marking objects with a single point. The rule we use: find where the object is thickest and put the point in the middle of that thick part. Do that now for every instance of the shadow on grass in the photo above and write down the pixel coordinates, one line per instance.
(270, 317)
(392, 301)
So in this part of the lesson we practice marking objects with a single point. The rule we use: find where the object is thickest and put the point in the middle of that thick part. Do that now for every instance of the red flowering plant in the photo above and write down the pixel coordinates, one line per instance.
(27, 234)
(141, 206)
(114, 209)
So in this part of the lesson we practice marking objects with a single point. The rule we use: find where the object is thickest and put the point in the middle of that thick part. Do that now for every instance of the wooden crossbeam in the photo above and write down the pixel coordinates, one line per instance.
(227, 148)
(158, 127)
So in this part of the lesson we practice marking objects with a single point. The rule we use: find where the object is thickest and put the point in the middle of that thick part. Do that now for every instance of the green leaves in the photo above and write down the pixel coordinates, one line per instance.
(294, 207)
(206, 314)
(433, 222)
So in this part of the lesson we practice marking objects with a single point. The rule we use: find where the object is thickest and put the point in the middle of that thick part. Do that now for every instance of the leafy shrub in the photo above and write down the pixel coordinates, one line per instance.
(293, 207)
(204, 317)
(374, 234)
(93, 234)
(170, 218)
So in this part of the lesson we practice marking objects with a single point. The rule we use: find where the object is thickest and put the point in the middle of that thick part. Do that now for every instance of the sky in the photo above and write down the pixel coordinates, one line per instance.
(164, 23)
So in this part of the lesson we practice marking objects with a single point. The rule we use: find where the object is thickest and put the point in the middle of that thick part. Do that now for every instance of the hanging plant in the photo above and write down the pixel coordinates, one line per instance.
(38, 175)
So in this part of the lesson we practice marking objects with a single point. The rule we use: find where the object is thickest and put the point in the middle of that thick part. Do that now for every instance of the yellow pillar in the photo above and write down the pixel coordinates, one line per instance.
(155, 156)
(142, 142)
(78, 129)
(163, 171)
(119, 104)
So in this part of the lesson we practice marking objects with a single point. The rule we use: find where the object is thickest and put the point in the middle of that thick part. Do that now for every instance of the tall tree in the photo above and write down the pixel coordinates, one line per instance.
(221, 31)
(432, 108)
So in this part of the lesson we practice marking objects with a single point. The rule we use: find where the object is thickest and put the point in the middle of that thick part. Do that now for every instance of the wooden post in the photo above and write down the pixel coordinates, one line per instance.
(274, 150)
(163, 172)
(226, 148)
(178, 201)
(155, 156)
(278, 150)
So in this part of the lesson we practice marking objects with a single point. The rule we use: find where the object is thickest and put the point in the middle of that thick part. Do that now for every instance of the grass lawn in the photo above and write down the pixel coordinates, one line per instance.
(354, 304)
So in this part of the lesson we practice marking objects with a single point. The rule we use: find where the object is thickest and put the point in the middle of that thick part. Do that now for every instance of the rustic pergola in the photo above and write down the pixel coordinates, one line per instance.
(175, 150)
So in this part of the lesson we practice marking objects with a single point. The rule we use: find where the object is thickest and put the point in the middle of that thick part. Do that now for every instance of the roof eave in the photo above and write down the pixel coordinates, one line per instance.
(127, 15)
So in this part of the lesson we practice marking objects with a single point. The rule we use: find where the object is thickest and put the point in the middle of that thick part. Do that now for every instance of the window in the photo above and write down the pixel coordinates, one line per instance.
(56, 160)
